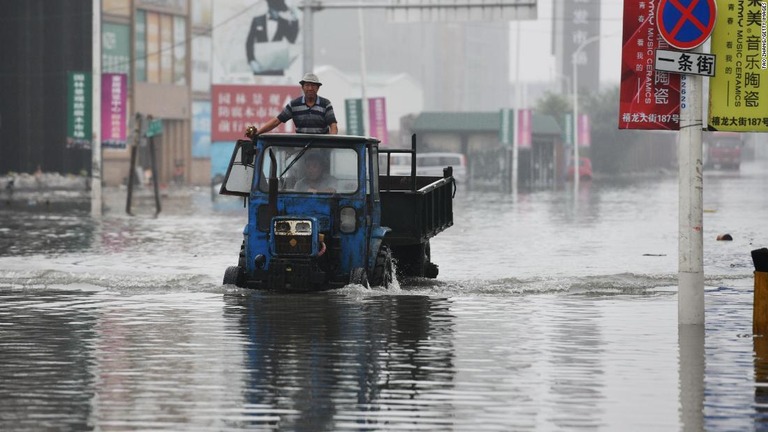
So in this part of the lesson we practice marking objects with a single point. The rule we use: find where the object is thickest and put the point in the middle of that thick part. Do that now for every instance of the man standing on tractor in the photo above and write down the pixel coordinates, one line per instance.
(310, 113)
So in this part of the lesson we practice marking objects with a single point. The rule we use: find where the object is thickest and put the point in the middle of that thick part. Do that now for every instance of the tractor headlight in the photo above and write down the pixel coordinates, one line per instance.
(348, 218)
(300, 227)
(282, 227)
(294, 237)
(303, 227)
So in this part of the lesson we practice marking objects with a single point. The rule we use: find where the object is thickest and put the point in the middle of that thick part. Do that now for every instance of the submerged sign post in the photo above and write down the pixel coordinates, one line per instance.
(686, 24)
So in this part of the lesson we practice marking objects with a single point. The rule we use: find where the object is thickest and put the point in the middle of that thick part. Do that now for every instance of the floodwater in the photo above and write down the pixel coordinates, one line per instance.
(553, 311)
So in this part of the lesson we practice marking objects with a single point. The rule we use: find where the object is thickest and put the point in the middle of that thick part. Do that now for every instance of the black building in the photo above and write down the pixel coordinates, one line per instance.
(40, 42)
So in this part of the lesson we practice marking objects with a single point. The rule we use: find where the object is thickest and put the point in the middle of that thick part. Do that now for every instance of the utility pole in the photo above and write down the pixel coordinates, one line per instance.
(96, 203)
(690, 275)
(308, 33)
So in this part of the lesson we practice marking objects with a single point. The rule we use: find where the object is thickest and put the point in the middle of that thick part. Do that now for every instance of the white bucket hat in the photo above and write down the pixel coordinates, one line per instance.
(310, 78)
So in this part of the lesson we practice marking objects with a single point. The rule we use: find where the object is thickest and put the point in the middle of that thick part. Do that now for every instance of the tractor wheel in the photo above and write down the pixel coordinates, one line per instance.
(430, 268)
(234, 276)
(241, 256)
(383, 271)
(358, 277)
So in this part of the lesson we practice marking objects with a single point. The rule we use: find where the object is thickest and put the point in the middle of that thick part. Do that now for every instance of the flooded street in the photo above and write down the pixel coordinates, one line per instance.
(552, 311)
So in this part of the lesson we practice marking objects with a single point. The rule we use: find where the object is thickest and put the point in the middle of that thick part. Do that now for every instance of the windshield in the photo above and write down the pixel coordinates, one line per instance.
(309, 169)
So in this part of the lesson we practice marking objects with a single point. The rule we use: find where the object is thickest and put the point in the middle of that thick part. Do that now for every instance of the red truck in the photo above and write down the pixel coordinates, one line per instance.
(722, 150)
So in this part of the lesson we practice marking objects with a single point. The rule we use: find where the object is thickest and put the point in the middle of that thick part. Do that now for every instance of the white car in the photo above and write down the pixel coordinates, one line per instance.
(400, 164)
(432, 164)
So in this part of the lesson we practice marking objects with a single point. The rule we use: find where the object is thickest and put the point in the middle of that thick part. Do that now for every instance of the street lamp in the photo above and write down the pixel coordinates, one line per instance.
(575, 89)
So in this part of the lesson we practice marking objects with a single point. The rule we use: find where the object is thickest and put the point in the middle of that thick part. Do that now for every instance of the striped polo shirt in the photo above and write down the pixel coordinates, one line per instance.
(309, 120)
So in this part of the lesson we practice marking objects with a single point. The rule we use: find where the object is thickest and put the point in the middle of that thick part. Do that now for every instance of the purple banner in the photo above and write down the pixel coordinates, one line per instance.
(114, 97)
(525, 128)
(585, 133)
(377, 118)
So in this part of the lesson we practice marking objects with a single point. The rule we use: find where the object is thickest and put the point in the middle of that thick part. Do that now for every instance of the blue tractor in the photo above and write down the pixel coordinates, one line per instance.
(322, 215)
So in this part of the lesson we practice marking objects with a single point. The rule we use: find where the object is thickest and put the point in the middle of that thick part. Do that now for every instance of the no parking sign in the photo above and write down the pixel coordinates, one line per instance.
(686, 24)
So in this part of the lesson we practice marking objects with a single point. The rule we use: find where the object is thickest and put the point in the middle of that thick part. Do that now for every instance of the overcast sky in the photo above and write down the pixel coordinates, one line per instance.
(536, 44)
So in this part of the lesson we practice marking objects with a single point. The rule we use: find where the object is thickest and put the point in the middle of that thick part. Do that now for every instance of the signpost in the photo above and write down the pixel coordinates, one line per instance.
(685, 62)
(686, 25)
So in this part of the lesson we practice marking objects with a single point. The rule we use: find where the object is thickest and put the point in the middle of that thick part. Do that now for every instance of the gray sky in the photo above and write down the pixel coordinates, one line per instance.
(536, 42)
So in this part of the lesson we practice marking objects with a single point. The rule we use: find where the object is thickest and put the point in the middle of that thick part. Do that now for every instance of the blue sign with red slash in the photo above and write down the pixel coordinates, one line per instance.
(686, 24)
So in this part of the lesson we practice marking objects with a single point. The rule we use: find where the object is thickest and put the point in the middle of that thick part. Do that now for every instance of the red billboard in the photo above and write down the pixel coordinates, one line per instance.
(648, 99)
(235, 107)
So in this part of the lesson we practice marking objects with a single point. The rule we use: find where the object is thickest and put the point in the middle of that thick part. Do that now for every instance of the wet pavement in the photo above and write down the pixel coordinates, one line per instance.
(552, 311)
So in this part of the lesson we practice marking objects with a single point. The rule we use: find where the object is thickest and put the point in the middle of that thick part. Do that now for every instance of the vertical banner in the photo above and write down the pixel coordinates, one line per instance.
(353, 109)
(377, 119)
(140, 45)
(568, 129)
(234, 107)
(738, 93)
(114, 96)
(581, 21)
(648, 99)
(505, 129)
(525, 128)
(79, 107)
(115, 48)
(585, 133)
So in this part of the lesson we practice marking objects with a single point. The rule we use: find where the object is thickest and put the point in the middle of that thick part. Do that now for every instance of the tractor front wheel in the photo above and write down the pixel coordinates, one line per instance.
(234, 276)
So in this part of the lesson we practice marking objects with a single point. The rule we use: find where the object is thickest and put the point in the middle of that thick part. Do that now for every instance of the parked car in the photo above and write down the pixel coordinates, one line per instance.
(585, 169)
(400, 164)
(432, 164)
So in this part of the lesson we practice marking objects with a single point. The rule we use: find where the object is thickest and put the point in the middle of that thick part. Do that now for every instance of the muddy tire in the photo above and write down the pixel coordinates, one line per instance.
(234, 276)
(358, 276)
(383, 271)
(241, 256)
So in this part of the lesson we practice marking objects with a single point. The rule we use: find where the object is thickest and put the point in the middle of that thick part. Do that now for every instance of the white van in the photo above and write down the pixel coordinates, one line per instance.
(400, 164)
(432, 164)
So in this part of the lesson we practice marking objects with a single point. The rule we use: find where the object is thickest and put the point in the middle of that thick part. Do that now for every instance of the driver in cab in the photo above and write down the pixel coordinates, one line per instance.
(316, 176)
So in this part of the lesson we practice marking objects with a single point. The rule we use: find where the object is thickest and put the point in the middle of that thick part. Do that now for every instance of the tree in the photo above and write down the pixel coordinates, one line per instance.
(610, 145)
(554, 105)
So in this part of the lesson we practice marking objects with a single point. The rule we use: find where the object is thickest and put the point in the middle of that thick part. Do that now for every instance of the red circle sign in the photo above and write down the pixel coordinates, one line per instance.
(686, 24)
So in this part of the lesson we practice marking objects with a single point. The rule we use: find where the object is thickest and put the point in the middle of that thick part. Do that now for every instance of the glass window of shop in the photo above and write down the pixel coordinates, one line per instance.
(160, 48)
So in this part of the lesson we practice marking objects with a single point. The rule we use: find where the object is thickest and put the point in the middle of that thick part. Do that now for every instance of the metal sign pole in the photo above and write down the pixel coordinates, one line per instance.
(96, 195)
(691, 214)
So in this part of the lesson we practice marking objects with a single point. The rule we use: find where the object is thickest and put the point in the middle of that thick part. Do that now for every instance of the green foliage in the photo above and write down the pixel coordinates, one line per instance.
(610, 145)
(554, 105)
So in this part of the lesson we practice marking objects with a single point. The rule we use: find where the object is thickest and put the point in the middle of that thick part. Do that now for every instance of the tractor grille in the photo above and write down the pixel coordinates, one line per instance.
(293, 244)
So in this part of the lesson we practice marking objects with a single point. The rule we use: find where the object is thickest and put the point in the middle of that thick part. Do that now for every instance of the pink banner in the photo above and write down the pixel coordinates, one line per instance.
(114, 96)
(525, 128)
(649, 99)
(377, 118)
(235, 107)
(585, 133)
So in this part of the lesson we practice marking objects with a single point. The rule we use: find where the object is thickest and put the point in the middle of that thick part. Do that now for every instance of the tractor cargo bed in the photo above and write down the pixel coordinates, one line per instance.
(415, 208)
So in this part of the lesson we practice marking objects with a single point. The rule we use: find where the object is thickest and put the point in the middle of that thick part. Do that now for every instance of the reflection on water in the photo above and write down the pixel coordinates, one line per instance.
(552, 312)
(322, 362)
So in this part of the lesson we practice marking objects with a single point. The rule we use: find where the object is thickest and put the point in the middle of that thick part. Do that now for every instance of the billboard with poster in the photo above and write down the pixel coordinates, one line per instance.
(648, 99)
(256, 38)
